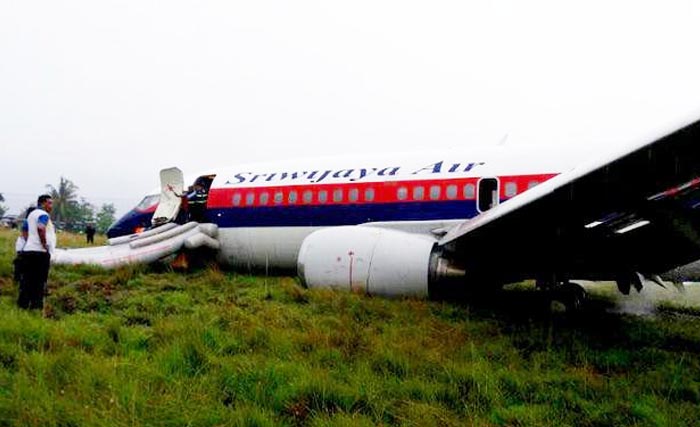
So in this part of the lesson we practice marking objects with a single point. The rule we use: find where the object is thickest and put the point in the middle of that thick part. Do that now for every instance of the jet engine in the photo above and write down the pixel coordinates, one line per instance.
(372, 260)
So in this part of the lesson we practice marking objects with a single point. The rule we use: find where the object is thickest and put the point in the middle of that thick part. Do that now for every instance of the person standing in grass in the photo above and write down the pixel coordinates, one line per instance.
(36, 257)
(90, 233)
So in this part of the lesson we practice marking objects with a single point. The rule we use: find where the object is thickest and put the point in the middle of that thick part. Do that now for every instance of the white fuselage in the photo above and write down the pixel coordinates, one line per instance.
(265, 211)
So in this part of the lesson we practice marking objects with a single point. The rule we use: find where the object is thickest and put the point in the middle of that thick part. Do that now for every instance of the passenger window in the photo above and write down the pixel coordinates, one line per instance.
(451, 192)
(369, 194)
(338, 195)
(469, 191)
(236, 199)
(511, 189)
(322, 196)
(279, 197)
(435, 191)
(402, 193)
(353, 195)
(308, 196)
(264, 198)
(250, 199)
(532, 184)
(418, 193)
(292, 197)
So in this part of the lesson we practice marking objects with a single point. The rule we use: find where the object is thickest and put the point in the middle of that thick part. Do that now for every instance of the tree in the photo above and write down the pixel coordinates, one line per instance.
(3, 209)
(72, 214)
(78, 215)
(105, 217)
(64, 198)
(82, 212)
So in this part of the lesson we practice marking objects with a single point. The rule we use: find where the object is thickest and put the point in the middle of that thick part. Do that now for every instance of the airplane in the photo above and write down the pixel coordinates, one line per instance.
(437, 223)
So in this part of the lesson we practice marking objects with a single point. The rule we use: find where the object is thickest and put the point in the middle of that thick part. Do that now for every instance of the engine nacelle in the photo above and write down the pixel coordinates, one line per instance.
(369, 260)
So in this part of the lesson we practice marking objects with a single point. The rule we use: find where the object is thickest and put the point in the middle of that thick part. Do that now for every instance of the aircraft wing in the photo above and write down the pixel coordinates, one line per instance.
(637, 210)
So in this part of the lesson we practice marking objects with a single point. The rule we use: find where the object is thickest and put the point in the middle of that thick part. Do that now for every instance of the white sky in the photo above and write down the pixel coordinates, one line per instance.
(106, 93)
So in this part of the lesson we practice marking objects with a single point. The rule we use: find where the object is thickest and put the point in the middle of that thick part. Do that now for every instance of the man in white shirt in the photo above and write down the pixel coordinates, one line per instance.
(41, 243)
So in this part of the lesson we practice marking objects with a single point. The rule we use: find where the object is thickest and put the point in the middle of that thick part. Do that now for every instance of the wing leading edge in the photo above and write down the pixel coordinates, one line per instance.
(636, 211)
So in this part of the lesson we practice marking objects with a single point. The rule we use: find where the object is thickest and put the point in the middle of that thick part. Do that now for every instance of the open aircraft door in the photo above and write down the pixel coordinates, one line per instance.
(487, 195)
(171, 186)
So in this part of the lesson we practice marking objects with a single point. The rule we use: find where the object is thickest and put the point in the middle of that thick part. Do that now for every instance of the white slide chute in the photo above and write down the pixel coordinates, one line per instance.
(145, 247)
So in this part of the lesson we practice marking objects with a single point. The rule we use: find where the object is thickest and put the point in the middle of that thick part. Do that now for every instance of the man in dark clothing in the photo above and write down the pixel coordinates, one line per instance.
(183, 214)
(197, 202)
(90, 233)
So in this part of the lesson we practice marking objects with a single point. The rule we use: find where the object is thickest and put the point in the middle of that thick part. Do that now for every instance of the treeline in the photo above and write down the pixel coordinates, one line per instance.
(73, 213)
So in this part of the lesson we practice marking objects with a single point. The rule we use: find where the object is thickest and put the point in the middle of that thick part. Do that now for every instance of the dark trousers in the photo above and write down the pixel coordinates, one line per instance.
(35, 269)
(19, 266)
(197, 212)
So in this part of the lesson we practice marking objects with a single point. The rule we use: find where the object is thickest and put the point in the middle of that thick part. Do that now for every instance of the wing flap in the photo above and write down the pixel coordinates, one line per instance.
(636, 210)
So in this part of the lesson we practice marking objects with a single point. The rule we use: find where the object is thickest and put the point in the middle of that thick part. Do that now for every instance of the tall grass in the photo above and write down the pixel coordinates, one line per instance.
(143, 347)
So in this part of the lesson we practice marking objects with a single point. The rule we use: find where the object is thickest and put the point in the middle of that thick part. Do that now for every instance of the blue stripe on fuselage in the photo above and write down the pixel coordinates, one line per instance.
(319, 216)
(333, 215)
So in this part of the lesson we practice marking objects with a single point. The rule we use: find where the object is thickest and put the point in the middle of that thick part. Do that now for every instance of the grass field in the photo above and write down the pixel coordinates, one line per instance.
(151, 347)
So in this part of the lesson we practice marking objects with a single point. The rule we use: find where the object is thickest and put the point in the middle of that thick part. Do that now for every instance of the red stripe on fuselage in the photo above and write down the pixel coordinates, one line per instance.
(369, 192)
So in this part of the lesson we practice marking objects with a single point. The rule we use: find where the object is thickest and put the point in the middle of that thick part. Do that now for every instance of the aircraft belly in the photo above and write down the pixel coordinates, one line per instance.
(259, 248)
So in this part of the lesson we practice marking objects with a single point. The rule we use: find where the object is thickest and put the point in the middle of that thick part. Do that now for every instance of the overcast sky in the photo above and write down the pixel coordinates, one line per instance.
(106, 93)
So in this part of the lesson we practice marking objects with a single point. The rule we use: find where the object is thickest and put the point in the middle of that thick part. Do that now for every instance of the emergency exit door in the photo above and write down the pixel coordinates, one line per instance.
(487, 194)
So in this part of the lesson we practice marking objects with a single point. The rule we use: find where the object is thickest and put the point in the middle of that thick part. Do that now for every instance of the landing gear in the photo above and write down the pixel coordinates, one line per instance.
(564, 296)
(572, 295)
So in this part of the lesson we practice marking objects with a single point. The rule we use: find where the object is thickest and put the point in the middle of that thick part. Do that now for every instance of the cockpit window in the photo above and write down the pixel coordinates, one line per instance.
(148, 201)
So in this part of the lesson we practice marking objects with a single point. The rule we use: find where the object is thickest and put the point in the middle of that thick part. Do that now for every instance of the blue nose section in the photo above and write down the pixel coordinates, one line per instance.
(129, 223)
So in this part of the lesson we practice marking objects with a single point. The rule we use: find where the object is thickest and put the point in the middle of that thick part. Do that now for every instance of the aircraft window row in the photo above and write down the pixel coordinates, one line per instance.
(339, 195)
(435, 192)
(307, 197)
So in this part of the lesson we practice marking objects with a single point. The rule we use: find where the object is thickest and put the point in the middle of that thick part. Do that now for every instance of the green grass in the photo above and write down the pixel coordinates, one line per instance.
(150, 347)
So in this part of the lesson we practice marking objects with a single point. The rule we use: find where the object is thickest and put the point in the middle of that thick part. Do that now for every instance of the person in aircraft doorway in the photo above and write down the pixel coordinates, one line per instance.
(197, 202)
(183, 215)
